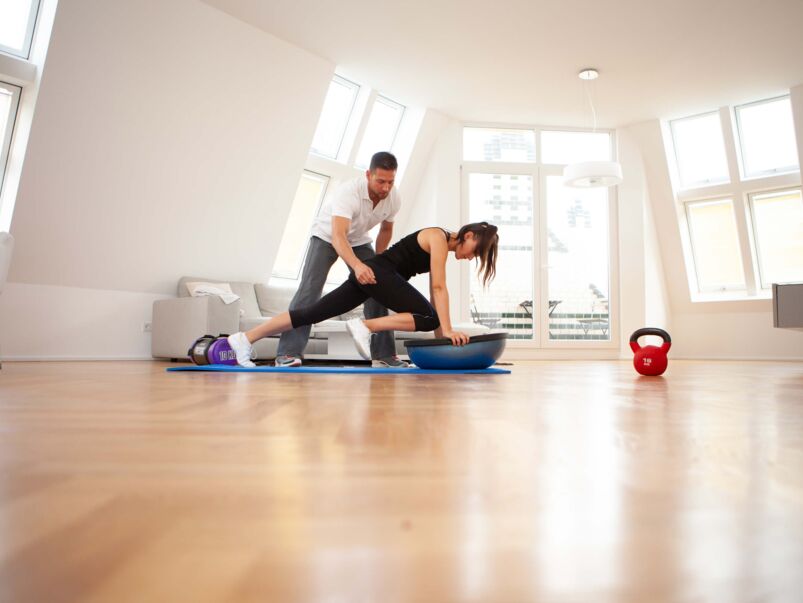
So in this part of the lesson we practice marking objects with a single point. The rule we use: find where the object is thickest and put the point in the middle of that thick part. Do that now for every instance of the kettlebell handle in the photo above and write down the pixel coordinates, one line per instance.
(650, 331)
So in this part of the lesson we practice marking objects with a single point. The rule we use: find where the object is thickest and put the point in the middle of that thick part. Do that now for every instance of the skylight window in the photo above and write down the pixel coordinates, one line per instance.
(306, 204)
(9, 100)
(715, 245)
(767, 138)
(337, 109)
(778, 229)
(700, 150)
(380, 133)
(17, 19)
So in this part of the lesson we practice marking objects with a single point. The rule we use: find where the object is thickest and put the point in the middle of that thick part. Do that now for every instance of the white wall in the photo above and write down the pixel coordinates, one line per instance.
(644, 299)
(436, 201)
(50, 322)
(657, 311)
(723, 329)
(167, 140)
(630, 205)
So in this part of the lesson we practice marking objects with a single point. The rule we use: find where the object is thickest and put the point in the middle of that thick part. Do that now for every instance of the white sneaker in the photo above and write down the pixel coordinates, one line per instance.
(389, 362)
(287, 361)
(361, 336)
(242, 348)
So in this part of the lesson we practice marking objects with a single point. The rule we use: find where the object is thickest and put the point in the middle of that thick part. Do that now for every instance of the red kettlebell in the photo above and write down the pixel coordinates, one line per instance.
(650, 360)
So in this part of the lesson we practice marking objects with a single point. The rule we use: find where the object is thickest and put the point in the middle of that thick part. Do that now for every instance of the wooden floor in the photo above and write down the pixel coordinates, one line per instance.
(562, 482)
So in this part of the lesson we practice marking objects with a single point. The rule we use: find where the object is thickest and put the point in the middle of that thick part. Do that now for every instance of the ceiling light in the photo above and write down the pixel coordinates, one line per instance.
(590, 174)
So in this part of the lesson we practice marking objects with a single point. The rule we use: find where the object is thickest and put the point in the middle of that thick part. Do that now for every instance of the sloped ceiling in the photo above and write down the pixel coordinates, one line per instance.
(516, 61)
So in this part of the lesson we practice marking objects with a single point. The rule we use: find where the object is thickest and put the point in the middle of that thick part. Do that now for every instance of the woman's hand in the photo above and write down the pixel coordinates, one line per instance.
(457, 337)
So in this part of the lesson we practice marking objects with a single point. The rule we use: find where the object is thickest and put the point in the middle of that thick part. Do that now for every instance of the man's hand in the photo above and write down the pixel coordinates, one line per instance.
(364, 274)
(457, 337)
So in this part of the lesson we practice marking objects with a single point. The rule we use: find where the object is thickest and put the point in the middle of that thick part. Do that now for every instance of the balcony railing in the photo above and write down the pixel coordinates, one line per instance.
(563, 326)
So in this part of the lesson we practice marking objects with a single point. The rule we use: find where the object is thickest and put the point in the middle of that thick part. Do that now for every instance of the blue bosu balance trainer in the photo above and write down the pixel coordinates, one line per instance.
(480, 352)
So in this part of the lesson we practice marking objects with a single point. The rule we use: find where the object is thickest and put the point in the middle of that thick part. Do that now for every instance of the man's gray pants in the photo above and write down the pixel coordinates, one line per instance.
(320, 258)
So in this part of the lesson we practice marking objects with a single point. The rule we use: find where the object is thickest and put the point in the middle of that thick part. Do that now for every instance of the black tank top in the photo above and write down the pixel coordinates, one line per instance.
(408, 257)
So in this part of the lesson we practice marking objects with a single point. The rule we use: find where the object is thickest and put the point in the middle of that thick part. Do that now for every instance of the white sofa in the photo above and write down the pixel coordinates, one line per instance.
(178, 322)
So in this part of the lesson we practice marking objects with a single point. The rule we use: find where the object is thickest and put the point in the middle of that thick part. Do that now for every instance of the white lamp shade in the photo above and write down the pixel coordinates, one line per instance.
(589, 174)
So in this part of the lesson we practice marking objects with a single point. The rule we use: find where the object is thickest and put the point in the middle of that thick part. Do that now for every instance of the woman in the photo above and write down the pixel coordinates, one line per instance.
(423, 251)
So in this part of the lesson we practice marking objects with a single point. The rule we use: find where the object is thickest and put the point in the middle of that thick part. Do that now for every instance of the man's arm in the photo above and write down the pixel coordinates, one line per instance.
(340, 228)
(384, 236)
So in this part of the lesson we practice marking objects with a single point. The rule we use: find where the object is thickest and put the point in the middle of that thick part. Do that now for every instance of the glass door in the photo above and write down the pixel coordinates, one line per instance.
(577, 251)
(505, 200)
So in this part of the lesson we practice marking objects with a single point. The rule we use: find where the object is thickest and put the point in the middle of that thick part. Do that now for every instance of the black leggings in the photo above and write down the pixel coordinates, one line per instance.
(391, 290)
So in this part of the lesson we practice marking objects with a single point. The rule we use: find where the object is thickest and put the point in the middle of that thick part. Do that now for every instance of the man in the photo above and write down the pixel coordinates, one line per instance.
(342, 230)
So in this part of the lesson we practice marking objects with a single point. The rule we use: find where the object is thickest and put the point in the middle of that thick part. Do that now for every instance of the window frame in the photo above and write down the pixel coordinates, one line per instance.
(678, 173)
(341, 169)
(539, 173)
(25, 51)
(737, 124)
(357, 88)
(5, 143)
(327, 180)
(533, 129)
(378, 98)
(738, 189)
(694, 255)
(754, 232)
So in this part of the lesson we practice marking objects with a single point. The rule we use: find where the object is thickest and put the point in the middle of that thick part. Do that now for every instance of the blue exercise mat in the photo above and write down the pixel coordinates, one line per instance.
(348, 370)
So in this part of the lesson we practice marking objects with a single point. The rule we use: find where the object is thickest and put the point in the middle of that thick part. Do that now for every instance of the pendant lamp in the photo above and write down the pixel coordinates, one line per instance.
(590, 174)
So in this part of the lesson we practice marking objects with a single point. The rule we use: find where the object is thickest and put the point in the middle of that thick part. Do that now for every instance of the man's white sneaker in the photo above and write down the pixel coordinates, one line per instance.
(242, 348)
(286, 361)
(390, 362)
(361, 336)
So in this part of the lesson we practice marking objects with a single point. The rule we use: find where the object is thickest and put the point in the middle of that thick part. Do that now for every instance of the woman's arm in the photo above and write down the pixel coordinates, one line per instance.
(438, 252)
(439, 331)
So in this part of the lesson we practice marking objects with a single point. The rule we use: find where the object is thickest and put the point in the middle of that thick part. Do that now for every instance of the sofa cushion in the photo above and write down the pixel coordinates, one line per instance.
(248, 298)
(273, 299)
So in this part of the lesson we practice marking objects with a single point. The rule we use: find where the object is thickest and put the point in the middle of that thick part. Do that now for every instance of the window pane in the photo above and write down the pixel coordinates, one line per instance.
(715, 244)
(573, 147)
(295, 238)
(16, 25)
(778, 227)
(9, 100)
(507, 202)
(700, 150)
(380, 131)
(334, 118)
(486, 144)
(578, 262)
(767, 137)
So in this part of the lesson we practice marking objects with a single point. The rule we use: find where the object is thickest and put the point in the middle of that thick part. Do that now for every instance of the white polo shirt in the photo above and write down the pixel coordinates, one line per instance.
(351, 201)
